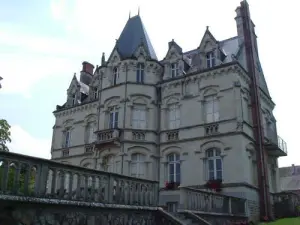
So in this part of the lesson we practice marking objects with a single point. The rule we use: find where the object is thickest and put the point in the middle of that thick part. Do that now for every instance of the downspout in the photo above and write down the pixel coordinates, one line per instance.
(158, 130)
(124, 120)
(257, 124)
(99, 110)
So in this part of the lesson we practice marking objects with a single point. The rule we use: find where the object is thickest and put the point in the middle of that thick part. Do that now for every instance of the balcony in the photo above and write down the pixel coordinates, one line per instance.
(108, 136)
(274, 144)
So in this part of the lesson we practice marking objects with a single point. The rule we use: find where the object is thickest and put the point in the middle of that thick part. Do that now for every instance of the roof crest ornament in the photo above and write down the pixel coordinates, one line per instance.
(138, 11)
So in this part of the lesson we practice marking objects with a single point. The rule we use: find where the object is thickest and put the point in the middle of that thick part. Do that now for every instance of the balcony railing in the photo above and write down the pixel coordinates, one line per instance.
(203, 201)
(275, 143)
(27, 176)
(108, 135)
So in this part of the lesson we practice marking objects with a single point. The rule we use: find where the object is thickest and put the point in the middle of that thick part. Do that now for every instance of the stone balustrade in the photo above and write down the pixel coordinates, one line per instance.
(22, 175)
(203, 201)
(108, 135)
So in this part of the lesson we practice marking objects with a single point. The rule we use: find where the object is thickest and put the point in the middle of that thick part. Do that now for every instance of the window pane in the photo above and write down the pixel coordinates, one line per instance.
(209, 107)
(177, 178)
(219, 174)
(171, 169)
(116, 119)
(142, 115)
(177, 167)
(210, 165)
(210, 153)
(211, 175)
(177, 158)
(133, 168)
(177, 113)
(219, 164)
(171, 158)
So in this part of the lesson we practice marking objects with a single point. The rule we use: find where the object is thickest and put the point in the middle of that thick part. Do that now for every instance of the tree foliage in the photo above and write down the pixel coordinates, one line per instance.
(21, 183)
(4, 135)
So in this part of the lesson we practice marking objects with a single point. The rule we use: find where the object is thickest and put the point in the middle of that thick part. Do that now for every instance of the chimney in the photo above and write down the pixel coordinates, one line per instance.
(87, 67)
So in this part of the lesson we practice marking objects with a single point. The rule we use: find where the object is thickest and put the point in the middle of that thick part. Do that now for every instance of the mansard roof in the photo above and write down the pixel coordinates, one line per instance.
(133, 34)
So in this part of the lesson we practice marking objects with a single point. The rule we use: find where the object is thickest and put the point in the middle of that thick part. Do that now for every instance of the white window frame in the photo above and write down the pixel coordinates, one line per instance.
(115, 75)
(214, 157)
(174, 116)
(213, 115)
(138, 161)
(115, 118)
(140, 73)
(139, 118)
(210, 59)
(174, 160)
(174, 70)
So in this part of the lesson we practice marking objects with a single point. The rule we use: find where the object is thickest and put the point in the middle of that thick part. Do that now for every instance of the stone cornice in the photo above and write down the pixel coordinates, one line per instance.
(79, 108)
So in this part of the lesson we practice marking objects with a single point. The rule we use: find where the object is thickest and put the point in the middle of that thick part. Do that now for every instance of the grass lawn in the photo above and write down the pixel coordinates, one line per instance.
(285, 221)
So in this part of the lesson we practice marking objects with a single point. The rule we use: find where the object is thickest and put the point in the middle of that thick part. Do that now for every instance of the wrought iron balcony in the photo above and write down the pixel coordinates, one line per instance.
(107, 136)
(275, 144)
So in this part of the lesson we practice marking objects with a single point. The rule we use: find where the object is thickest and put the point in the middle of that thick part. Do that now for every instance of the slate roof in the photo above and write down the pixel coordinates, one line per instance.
(133, 34)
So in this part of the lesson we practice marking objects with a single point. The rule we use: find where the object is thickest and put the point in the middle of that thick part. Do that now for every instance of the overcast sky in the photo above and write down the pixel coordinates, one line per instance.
(42, 44)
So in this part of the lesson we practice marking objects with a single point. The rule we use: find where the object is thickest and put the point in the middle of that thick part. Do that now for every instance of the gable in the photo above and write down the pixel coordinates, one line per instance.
(208, 42)
(73, 85)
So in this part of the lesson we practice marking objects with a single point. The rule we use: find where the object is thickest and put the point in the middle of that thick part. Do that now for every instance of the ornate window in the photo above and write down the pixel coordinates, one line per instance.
(174, 116)
(210, 59)
(140, 73)
(67, 138)
(110, 164)
(211, 107)
(214, 164)
(139, 118)
(174, 70)
(113, 117)
(115, 75)
(138, 165)
(174, 167)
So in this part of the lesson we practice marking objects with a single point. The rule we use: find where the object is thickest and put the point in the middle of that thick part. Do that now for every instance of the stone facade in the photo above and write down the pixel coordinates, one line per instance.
(185, 119)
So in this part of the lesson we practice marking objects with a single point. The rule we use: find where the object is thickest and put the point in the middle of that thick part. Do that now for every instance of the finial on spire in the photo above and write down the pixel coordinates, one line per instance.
(103, 59)
(207, 27)
(138, 11)
(129, 14)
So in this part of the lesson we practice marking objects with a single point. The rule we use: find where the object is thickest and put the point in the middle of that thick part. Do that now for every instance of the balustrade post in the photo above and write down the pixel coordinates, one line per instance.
(5, 176)
(229, 205)
(42, 179)
(111, 188)
(184, 199)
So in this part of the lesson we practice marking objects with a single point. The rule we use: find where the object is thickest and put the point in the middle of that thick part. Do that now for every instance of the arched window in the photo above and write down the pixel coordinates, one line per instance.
(174, 116)
(110, 164)
(214, 164)
(115, 75)
(211, 106)
(140, 73)
(174, 167)
(138, 166)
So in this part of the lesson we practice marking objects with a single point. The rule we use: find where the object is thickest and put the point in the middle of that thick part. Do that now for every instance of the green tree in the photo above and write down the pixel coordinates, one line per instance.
(21, 183)
(4, 135)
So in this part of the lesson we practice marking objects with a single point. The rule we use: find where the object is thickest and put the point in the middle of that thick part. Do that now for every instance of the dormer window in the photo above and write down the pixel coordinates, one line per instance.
(115, 75)
(140, 73)
(95, 93)
(73, 99)
(210, 59)
(174, 70)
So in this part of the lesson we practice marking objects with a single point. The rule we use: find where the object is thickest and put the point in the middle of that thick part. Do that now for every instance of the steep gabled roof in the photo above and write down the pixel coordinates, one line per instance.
(131, 37)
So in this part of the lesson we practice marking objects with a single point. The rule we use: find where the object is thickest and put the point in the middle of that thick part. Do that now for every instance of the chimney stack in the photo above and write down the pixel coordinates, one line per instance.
(87, 67)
